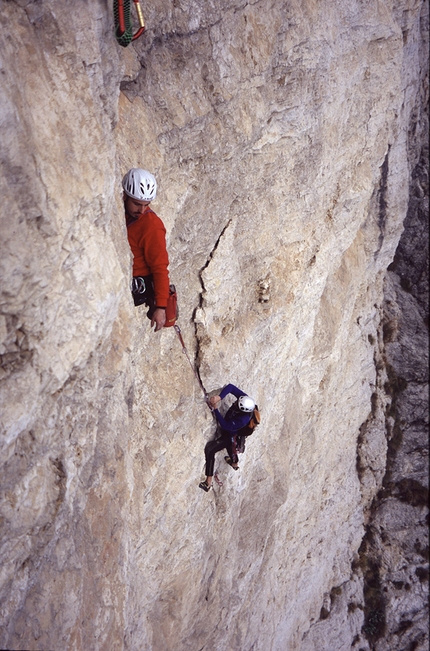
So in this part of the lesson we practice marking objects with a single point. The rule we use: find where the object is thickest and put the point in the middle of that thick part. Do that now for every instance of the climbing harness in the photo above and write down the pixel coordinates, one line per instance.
(185, 351)
(123, 23)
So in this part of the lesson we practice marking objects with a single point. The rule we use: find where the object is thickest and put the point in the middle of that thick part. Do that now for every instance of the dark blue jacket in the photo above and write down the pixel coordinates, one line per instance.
(234, 419)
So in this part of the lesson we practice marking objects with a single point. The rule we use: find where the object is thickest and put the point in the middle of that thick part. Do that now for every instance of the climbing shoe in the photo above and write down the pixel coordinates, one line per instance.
(230, 463)
(204, 486)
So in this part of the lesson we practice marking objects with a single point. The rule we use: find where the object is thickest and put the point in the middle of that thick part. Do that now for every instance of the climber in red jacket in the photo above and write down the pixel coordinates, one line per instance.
(147, 239)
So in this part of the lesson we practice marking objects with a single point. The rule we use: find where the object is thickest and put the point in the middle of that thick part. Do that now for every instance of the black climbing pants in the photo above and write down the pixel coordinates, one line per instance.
(212, 447)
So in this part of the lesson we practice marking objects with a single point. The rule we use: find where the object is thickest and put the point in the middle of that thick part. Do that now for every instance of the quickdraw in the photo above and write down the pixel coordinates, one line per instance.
(123, 23)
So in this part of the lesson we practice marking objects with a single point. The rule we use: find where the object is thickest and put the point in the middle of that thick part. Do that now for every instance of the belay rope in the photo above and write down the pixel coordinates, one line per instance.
(123, 23)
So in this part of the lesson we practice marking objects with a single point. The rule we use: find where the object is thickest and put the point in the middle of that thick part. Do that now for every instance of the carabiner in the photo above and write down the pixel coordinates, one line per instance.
(141, 21)
(123, 23)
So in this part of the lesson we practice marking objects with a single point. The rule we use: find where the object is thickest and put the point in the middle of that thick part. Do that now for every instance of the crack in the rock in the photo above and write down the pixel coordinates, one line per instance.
(382, 201)
(205, 266)
(200, 305)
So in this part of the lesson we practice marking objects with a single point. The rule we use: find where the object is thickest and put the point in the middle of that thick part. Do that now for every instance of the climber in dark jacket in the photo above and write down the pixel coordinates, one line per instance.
(236, 418)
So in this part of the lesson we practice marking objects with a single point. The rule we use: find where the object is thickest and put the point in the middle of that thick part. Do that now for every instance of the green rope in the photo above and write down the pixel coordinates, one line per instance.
(127, 37)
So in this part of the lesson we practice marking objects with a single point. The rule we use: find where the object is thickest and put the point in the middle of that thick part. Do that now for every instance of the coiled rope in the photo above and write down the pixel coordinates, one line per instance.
(123, 22)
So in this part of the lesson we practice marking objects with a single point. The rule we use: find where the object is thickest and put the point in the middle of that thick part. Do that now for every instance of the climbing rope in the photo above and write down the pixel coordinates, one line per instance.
(185, 351)
(123, 23)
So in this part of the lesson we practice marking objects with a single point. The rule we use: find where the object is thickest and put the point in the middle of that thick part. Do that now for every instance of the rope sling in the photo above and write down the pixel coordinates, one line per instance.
(123, 22)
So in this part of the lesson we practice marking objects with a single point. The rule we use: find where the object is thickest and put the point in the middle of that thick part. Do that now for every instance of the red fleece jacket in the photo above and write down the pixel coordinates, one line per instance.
(147, 239)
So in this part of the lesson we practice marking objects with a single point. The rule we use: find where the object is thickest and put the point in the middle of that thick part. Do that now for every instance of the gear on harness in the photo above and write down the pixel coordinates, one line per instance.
(184, 350)
(123, 23)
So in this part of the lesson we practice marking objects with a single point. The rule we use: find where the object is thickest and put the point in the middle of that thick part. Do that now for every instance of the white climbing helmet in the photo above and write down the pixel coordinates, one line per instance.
(140, 184)
(245, 403)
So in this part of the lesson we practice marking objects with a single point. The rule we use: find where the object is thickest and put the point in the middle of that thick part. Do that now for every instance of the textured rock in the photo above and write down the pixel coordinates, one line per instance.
(397, 537)
(392, 612)
(280, 136)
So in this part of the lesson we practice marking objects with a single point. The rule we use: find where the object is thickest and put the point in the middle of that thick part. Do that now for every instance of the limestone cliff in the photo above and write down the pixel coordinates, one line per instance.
(284, 136)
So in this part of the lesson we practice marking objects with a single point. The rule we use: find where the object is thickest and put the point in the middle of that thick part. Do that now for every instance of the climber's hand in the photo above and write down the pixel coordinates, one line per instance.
(214, 401)
(158, 318)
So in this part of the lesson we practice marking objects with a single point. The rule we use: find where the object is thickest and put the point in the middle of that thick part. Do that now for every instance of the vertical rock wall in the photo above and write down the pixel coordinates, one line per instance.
(279, 136)
(389, 581)
(64, 331)
(396, 540)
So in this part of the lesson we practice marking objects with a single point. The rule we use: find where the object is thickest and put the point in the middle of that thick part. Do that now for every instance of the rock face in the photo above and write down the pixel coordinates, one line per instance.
(396, 541)
(285, 137)
(389, 581)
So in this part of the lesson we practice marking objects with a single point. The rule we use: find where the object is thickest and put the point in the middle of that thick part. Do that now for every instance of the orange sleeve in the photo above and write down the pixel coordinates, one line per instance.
(153, 244)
